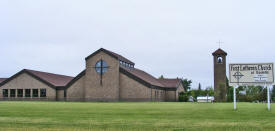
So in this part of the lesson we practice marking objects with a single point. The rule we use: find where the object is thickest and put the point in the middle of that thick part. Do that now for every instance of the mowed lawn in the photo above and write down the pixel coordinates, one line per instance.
(135, 116)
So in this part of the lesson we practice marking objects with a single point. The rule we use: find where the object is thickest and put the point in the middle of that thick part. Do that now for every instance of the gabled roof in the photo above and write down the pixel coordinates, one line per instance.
(170, 83)
(82, 73)
(2, 79)
(113, 54)
(54, 79)
(219, 52)
(50, 79)
(148, 79)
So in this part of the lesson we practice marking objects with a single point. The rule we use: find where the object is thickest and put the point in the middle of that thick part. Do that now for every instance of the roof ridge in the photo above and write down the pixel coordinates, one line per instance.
(219, 51)
(119, 56)
(113, 54)
(169, 79)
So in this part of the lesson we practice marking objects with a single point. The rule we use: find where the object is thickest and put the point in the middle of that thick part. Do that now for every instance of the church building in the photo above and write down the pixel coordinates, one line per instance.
(108, 76)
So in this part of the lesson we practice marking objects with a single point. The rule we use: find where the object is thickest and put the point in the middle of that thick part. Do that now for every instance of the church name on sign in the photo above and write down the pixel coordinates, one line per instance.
(254, 69)
(246, 74)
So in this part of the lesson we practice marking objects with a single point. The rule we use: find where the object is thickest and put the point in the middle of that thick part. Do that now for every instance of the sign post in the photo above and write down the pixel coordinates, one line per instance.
(251, 74)
(234, 92)
(268, 98)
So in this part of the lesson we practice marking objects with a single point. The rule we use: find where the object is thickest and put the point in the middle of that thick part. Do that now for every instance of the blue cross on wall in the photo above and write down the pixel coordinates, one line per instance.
(101, 67)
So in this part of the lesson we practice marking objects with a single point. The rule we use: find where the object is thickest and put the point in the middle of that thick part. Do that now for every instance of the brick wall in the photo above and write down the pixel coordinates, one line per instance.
(109, 90)
(76, 91)
(25, 81)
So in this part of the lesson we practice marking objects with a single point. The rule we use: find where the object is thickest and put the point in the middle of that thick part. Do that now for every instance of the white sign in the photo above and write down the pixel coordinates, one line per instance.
(251, 74)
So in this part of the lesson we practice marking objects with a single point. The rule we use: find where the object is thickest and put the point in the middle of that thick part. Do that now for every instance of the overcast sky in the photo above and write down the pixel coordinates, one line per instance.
(174, 38)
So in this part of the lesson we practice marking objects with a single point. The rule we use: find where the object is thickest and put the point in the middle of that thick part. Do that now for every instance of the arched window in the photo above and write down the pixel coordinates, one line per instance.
(219, 59)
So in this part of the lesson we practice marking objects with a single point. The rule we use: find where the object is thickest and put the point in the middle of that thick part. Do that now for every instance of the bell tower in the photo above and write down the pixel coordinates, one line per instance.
(220, 88)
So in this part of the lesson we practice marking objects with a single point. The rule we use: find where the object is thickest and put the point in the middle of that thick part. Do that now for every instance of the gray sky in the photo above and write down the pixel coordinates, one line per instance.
(170, 37)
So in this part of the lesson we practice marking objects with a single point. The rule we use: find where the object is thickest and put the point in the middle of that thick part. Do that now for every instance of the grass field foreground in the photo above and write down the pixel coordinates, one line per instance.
(135, 116)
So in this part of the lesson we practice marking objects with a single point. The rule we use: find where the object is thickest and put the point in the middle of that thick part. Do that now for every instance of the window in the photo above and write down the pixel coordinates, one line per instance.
(19, 92)
(5, 93)
(101, 67)
(156, 94)
(34, 92)
(43, 93)
(12, 93)
(219, 59)
(159, 93)
(27, 92)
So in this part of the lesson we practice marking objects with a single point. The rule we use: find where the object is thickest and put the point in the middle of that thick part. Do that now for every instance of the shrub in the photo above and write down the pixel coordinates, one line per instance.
(183, 97)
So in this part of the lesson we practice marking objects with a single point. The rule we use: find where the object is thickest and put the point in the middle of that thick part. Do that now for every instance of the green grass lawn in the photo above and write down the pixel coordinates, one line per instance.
(135, 116)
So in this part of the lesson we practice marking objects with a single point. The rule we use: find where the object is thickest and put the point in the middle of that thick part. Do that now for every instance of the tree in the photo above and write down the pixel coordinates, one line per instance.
(199, 88)
(209, 91)
(183, 97)
(253, 94)
(186, 84)
(273, 93)
(220, 94)
(161, 77)
(230, 94)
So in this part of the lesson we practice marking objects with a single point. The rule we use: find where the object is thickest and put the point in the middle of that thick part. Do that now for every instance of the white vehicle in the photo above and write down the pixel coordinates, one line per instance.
(205, 98)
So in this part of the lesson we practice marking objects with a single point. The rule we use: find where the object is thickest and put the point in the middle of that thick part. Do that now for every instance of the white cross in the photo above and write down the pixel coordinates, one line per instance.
(219, 42)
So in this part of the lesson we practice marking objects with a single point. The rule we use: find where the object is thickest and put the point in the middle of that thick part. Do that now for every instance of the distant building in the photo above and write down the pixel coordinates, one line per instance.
(205, 99)
(107, 77)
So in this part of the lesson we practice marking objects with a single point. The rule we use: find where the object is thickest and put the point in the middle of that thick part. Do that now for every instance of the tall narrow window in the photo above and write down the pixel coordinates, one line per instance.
(27, 92)
(19, 92)
(5, 93)
(43, 93)
(34, 92)
(12, 92)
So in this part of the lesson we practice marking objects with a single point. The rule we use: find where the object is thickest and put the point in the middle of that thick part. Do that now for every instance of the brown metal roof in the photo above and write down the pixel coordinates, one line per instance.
(54, 79)
(165, 83)
(2, 79)
(113, 54)
(170, 83)
(120, 57)
(219, 52)
(143, 76)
